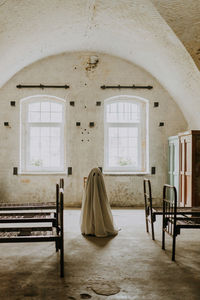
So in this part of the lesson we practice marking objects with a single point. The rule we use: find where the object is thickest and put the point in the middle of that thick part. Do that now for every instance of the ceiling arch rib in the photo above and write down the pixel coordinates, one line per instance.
(131, 30)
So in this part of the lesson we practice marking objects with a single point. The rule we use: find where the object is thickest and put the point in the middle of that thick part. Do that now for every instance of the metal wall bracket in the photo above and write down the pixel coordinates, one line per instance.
(69, 170)
(156, 104)
(15, 171)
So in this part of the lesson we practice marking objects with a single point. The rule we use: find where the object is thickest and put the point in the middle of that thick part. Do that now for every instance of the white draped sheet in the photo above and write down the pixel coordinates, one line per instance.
(96, 215)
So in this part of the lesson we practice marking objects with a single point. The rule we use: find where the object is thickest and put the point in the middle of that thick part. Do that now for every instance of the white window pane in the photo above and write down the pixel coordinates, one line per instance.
(123, 146)
(45, 131)
(122, 151)
(124, 161)
(45, 117)
(113, 107)
(113, 152)
(55, 131)
(43, 144)
(120, 107)
(45, 111)
(45, 147)
(34, 144)
(34, 116)
(34, 106)
(46, 161)
(133, 132)
(132, 143)
(134, 155)
(34, 131)
(56, 117)
(123, 132)
(113, 132)
(55, 144)
(113, 142)
(55, 162)
(113, 161)
(123, 112)
(122, 142)
(35, 158)
(45, 106)
(55, 107)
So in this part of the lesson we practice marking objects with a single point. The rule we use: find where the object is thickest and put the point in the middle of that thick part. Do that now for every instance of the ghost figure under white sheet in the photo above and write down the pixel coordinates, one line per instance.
(96, 215)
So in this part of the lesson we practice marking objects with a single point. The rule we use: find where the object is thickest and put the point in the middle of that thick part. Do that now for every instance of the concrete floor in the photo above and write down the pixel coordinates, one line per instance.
(131, 260)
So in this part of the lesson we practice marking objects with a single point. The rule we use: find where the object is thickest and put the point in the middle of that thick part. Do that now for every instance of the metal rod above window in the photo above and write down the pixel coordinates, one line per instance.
(149, 87)
(42, 86)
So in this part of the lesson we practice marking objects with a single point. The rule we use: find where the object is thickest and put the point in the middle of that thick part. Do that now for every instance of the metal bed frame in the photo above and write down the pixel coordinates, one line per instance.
(150, 211)
(17, 214)
(174, 220)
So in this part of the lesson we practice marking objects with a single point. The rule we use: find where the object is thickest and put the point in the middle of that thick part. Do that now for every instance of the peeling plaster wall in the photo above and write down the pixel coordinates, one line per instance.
(85, 81)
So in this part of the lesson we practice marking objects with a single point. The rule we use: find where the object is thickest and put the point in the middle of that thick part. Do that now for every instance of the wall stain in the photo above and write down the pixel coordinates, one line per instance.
(25, 181)
(92, 63)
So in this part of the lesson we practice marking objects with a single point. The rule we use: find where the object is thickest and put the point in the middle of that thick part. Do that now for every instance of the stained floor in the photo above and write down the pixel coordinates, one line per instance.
(130, 261)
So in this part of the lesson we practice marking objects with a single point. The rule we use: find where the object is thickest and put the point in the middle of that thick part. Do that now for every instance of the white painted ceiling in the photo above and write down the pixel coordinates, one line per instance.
(131, 29)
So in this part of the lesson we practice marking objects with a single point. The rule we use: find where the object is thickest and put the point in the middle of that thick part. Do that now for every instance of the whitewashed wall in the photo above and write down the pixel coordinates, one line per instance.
(72, 69)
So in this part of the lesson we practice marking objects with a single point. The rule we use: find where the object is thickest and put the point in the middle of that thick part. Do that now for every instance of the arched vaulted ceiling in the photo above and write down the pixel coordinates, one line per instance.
(131, 29)
(183, 16)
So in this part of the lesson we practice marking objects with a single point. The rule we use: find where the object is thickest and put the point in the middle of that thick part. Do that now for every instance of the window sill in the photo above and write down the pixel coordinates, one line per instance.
(42, 173)
(125, 173)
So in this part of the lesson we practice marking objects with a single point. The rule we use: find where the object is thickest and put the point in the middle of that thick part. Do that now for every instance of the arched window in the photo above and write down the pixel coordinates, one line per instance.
(126, 135)
(42, 134)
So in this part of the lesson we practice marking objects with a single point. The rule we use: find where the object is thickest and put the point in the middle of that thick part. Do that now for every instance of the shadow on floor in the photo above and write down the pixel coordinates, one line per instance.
(98, 241)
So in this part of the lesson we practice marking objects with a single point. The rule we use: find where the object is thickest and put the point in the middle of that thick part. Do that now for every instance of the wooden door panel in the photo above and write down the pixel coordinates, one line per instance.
(182, 171)
(182, 164)
(188, 190)
(188, 156)
(189, 168)
(182, 190)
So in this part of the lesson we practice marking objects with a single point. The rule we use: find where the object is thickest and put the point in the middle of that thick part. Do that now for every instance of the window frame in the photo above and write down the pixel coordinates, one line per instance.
(143, 133)
(25, 125)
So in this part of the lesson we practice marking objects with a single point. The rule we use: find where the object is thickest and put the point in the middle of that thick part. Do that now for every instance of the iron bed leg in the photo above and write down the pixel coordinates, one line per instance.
(147, 225)
(163, 231)
(57, 210)
(173, 248)
(61, 236)
(56, 246)
(152, 229)
(163, 239)
(174, 243)
(163, 220)
(146, 207)
(61, 259)
(174, 226)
